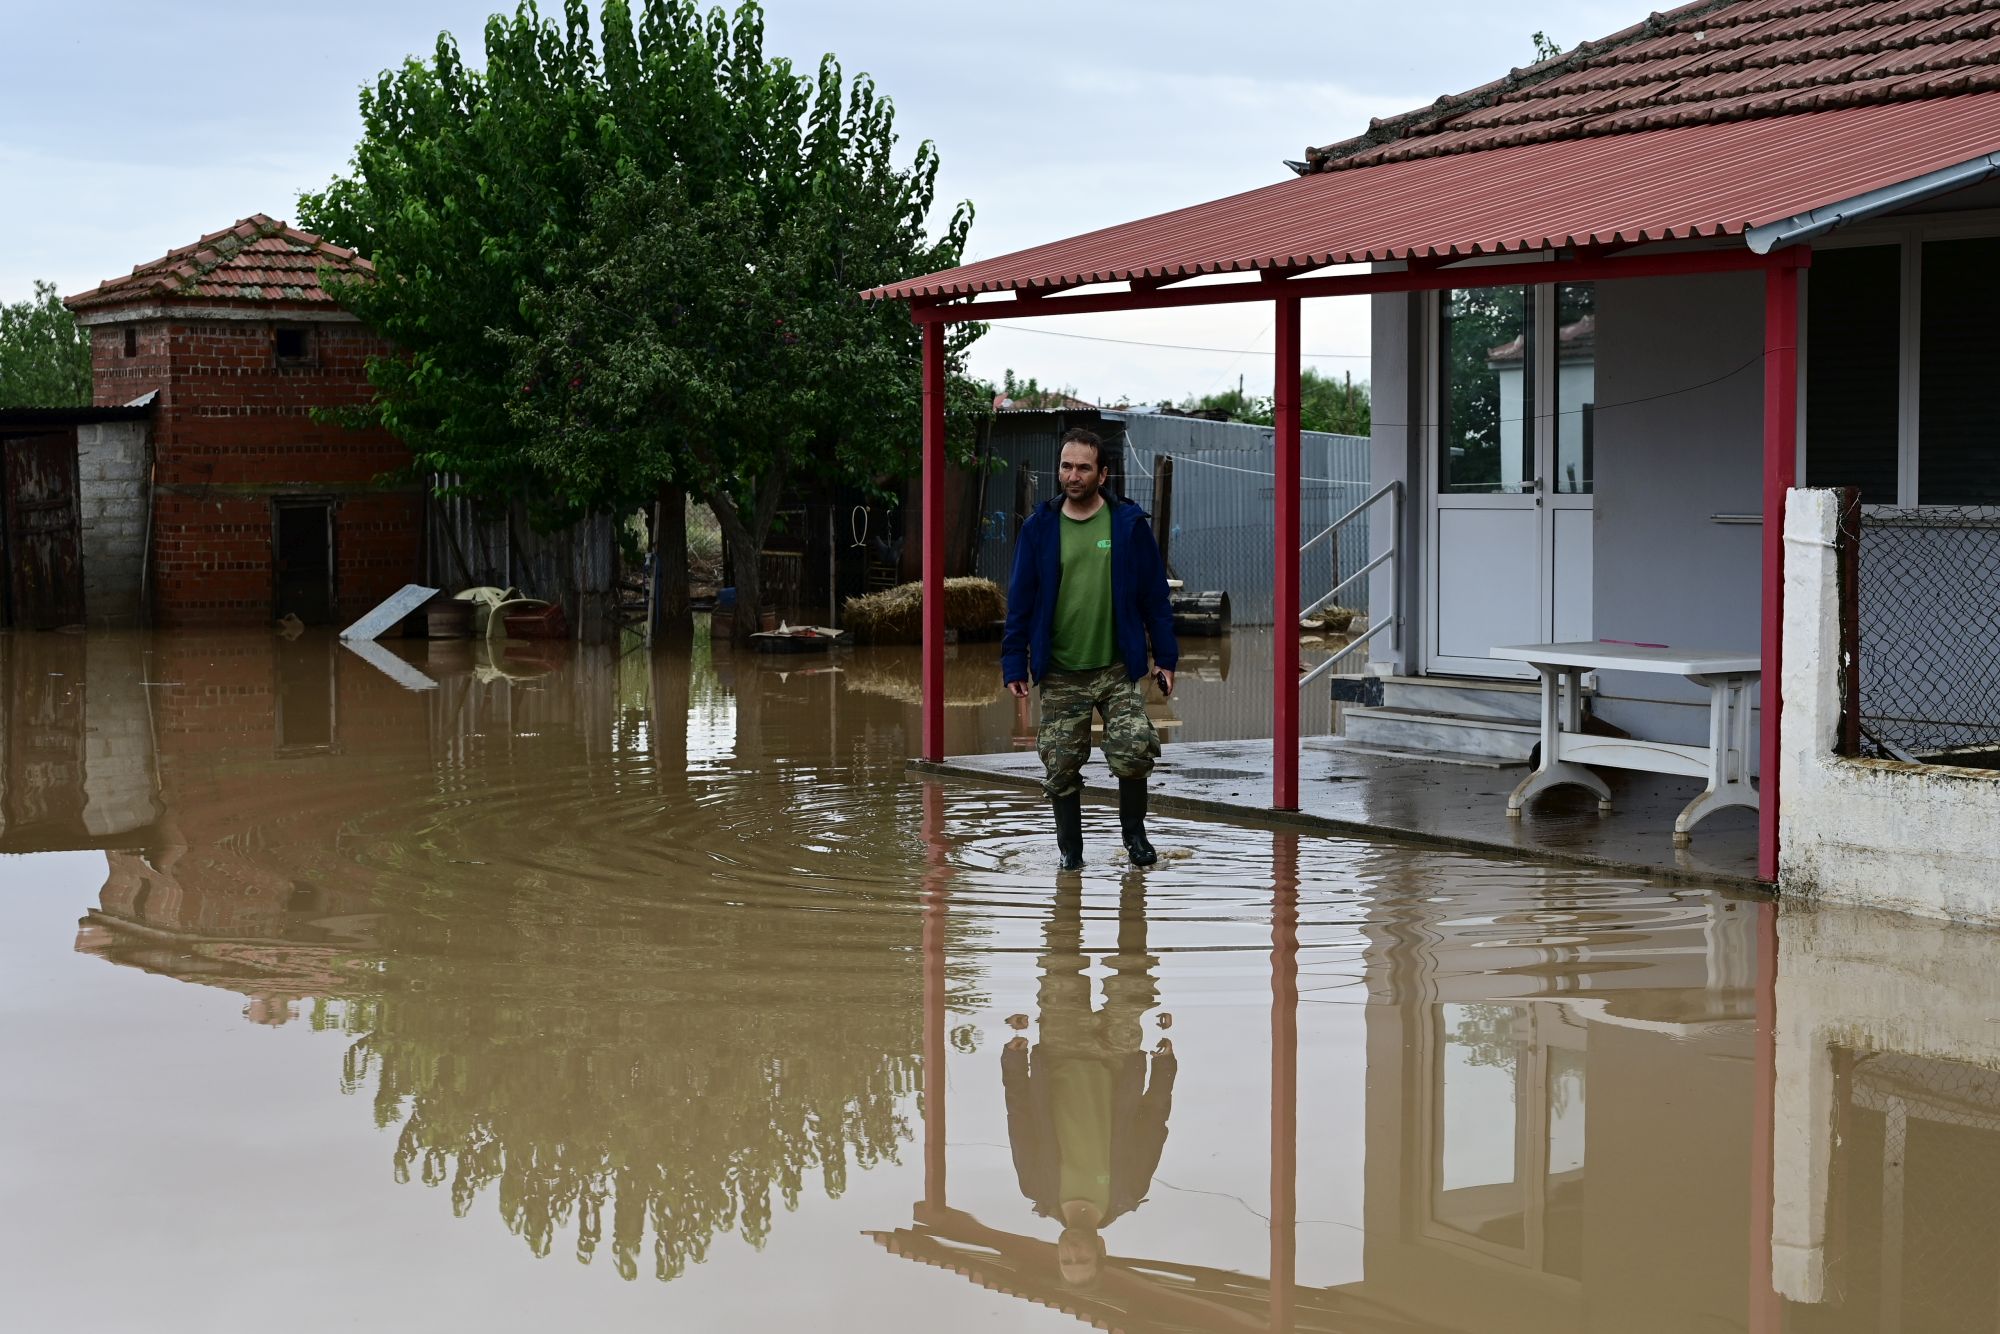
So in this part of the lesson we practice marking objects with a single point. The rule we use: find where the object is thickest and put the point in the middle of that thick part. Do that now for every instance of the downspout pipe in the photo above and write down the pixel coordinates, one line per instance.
(1817, 222)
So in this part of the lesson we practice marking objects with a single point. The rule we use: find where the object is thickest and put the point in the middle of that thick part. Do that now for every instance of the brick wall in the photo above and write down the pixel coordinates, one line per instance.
(233, 428)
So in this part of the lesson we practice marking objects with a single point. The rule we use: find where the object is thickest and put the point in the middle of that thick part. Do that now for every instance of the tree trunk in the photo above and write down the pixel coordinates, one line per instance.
(745, 534)
(673, 623)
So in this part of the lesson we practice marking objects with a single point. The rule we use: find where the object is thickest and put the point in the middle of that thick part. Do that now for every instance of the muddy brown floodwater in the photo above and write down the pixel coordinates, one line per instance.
(569, 990)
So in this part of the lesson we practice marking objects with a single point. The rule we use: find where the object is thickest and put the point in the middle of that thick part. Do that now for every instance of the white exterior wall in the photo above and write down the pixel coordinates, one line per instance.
(1918, 838)
(112, 461)
(1395, 332)
(1684, 355)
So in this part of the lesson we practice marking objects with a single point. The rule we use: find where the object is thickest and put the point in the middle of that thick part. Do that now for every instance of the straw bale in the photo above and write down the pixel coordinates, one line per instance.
(896, 615)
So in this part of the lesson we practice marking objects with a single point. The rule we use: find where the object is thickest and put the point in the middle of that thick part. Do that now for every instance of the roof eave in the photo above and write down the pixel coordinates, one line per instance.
(1802, 227)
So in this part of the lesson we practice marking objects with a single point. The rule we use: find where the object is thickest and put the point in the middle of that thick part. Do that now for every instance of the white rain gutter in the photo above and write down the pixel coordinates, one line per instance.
(1805, 226)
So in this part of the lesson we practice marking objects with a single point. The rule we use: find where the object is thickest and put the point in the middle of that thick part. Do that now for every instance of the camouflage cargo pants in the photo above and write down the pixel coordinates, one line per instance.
(1068, 701)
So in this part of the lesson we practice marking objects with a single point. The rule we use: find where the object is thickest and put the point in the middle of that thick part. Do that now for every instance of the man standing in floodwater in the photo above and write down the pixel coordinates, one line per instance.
(1089, 590)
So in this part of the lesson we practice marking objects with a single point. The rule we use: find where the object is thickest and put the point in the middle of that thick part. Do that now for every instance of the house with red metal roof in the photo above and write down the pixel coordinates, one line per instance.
(252, 507)
(1778, 221)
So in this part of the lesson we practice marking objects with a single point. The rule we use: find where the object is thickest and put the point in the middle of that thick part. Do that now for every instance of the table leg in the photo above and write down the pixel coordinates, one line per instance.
(1551, 771)
(1729, 754)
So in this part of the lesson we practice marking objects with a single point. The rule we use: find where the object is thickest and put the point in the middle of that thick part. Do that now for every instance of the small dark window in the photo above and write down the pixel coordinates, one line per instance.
(1854, 341)
(293, 345)
(131, 341)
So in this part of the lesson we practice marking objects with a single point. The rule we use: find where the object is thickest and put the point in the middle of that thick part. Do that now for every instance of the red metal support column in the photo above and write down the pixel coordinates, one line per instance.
(934, 522)
(1285, 585)
(1781, 455)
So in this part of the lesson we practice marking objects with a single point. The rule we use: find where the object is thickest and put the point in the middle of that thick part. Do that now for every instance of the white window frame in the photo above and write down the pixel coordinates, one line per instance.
(1909, 234)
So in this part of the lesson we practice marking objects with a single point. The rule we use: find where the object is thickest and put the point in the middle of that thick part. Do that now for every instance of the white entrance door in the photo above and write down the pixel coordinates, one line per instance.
(1510, 474)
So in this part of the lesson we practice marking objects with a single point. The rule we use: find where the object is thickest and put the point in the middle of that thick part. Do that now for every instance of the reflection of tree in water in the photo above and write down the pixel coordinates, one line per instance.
(628, 1092)
(1489, 1033)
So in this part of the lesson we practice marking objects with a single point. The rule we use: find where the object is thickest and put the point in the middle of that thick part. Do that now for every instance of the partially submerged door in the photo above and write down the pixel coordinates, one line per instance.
(1510, 478)
(304, 550)
(44, 543)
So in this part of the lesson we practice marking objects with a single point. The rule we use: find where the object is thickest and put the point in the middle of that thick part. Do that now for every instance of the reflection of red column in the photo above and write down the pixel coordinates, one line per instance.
(1766, 1316)
(936, 877)
(1284, 1074)
(933, 537)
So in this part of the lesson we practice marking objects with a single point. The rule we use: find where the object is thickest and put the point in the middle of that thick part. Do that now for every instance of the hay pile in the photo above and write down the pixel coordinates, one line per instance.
(896, 615)
(969, 683)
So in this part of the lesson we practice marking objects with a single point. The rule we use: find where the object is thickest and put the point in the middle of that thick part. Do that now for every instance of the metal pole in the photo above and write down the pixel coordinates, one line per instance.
(1285, 557)
(933, 520)
(1781, 452)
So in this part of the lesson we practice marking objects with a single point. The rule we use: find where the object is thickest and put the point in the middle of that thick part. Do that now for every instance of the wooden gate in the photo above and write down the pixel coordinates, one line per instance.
(44, 544)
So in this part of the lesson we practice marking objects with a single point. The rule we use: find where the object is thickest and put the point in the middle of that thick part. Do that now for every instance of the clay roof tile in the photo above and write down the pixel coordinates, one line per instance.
(1710, 60)
(257, 260)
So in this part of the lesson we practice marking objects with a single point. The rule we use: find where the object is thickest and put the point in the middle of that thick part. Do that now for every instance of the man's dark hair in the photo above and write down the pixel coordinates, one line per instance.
(1076, 435)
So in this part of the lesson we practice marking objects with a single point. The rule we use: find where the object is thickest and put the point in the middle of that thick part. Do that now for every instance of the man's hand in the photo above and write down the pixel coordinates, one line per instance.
(1018, 689)
(1166, 680)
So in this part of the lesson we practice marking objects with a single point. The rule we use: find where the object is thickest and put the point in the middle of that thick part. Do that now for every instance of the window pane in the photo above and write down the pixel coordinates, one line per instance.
(1486, 440)
(1958, 413)
(1854, 318)
(1576, 386)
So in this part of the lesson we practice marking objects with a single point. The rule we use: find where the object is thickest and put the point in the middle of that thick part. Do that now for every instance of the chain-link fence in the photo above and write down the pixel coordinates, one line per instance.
(1924, 629)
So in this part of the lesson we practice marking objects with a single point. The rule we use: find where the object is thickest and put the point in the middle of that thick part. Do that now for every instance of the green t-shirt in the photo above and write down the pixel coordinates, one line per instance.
(1084, 641)
(1081, 1093)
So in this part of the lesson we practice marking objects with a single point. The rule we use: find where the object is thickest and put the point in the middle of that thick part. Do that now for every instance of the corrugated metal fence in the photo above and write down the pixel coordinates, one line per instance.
(1223, 500)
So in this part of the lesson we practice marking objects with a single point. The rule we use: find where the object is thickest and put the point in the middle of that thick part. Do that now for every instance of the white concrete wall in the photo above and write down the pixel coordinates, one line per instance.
(112, 460)
(1914, 837)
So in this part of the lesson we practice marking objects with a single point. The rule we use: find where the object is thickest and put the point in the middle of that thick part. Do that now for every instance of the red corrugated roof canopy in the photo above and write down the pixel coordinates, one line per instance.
(1708, 179)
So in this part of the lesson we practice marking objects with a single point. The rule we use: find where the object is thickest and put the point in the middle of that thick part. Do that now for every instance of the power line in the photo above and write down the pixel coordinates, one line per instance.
(1176, 347)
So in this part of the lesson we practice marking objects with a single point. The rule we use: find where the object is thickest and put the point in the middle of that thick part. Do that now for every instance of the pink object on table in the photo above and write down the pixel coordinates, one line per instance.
(1633, 643)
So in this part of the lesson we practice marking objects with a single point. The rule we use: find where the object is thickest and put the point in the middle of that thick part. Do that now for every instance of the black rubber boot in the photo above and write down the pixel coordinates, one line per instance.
(1132, 820)
(1069, 830)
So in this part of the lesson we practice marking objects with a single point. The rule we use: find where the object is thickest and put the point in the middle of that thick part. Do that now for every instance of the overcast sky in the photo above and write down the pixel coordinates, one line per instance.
(129, 127)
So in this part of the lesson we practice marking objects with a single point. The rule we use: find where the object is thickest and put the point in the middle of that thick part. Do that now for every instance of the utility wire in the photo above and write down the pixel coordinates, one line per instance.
(1175, 347)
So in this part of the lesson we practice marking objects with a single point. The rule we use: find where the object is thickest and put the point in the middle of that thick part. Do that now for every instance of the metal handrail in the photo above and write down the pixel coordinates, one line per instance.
(1329, 530)
(1392, 556)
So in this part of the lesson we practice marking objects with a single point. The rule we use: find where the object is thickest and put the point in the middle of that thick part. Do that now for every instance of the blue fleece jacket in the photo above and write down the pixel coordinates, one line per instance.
(1139, 607)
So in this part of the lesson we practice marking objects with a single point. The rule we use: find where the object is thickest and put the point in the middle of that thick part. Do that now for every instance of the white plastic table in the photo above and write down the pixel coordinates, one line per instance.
(1566, 748)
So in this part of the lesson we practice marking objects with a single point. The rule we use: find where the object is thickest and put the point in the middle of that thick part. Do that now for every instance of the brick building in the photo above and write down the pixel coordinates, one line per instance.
(256, 509)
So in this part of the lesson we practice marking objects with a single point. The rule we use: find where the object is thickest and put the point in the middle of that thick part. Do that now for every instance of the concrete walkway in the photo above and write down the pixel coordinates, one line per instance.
(1448, 805)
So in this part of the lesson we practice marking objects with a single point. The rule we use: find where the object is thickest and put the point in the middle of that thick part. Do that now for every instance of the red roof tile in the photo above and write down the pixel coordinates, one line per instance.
(258, 261)
(1713, 60)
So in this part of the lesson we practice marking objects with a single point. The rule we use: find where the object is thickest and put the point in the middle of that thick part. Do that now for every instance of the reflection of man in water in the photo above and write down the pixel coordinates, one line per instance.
(1085, 1124)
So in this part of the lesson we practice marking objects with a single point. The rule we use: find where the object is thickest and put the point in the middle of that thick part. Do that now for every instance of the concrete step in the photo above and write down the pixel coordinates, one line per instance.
(1428, 756)
(1430, 730)
(1469, 697)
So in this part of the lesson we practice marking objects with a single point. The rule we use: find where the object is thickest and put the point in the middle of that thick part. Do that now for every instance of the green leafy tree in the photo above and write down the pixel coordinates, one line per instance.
(1326, 403)
(44, 354)
(622, 267)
